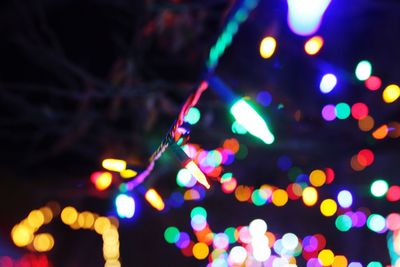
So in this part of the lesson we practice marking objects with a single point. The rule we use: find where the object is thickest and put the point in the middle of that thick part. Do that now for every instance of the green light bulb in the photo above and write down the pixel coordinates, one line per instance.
(171, 234)
(342, 111)
(247, 117)
(193, 116)
(198, 211)
(379, 188)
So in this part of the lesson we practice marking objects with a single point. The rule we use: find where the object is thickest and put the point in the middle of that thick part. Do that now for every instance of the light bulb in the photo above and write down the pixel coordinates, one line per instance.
(125, 206)
(197, 173)
(246, 116)
(115, 165)
(154, 199)
(305, 16)
(189, 164)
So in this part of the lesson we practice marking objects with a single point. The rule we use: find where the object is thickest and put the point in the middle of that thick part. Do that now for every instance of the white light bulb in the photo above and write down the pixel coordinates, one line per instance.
(125, 206)
(304, 16)
(257, 227)
(237, 255)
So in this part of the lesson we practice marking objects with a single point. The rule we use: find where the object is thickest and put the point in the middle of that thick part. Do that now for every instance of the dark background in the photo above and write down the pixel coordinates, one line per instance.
(83, 80)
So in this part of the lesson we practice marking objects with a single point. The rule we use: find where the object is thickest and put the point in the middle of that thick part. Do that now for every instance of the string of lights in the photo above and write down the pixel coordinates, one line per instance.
(253, 244)
(238, 15)
(24, 234)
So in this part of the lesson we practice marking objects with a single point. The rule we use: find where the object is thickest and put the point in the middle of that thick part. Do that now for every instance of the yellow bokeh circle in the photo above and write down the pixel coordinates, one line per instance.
(326, 257)
(328, 207)
(279, 197)
(200, 251)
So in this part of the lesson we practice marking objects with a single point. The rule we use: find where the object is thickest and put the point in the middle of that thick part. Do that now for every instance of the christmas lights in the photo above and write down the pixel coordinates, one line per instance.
(116, 165)
(125, 206)
(189, 164)
(239, 14)
(244, 114)
(304, 19)
(305, 16)
(155, 199)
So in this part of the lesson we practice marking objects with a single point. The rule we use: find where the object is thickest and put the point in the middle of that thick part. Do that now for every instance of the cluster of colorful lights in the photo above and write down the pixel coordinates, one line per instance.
(24, 234)
(360, 111)
(211, 162)
(195, 162)
(345, 218)
(305, 188)
(247, 119)
(254, 244)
